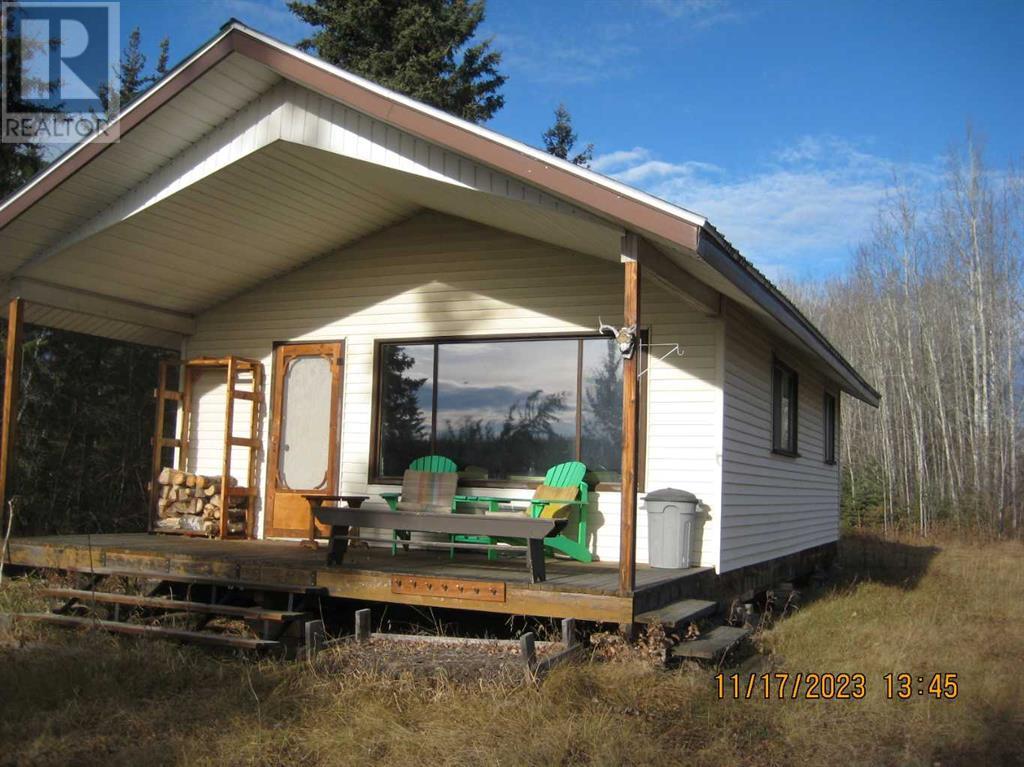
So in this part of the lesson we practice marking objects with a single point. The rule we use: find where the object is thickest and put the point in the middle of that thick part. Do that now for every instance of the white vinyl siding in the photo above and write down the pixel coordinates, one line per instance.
(435, 275)
(772, 505)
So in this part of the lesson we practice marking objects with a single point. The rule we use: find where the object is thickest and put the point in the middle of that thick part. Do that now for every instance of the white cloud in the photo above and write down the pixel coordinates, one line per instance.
(638, 168)
(566, 61)
(805, 208)
(700, 14)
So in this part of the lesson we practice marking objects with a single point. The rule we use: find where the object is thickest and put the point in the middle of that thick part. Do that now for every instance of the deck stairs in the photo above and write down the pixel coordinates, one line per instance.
(713, 645)
(678, 614)
(275, 621)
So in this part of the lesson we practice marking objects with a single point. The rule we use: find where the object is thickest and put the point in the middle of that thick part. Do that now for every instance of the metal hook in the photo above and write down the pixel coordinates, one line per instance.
(674, 350)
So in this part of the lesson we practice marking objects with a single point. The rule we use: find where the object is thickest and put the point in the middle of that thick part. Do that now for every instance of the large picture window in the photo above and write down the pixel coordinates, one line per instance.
(504, 410)
(784, 409)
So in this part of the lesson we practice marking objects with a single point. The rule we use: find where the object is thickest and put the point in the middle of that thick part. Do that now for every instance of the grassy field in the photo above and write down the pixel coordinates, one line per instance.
(893, 606)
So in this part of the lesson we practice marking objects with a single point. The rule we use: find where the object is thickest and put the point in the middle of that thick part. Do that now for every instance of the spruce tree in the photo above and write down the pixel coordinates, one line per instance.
(421, 48)
(19, 161)
(560, 139)
(131, 71)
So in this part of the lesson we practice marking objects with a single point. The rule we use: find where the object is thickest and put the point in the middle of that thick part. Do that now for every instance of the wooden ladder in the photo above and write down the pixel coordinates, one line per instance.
(164, 393)
(253, 443)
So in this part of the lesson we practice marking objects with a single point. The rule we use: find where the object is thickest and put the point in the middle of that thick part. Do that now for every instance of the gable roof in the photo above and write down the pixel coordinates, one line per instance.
(598, 195)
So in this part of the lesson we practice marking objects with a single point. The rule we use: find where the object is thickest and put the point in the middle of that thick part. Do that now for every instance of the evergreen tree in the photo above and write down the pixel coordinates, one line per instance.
(85, 414)
(560, 139)
(19, 161)
(417, 47)
(403, 430)
(131, 71)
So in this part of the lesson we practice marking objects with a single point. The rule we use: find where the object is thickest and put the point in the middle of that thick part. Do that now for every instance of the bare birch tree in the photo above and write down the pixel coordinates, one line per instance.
(931, 311)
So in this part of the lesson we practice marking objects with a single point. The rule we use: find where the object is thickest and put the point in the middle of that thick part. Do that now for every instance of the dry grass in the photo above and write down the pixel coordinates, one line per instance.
(82, 698)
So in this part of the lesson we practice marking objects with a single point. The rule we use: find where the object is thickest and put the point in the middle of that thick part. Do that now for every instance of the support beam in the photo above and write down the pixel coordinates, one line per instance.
(43, 293)
(663, 268)
(630, 420)
(12, 381)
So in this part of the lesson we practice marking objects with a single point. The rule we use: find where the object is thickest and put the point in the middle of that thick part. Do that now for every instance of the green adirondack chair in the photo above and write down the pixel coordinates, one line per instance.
(434, 464)
(562, 490)
(565, 475)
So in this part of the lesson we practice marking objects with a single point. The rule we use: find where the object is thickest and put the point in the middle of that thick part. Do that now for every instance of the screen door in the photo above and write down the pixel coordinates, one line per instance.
(304, 433)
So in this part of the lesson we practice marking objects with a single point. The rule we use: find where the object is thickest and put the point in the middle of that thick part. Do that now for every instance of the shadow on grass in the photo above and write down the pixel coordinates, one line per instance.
(870, 557)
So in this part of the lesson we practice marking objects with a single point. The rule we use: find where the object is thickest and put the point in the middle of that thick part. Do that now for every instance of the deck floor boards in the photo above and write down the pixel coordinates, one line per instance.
(366, 572)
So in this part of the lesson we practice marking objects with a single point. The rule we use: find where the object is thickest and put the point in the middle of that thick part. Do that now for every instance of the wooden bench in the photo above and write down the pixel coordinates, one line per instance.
(533, 531)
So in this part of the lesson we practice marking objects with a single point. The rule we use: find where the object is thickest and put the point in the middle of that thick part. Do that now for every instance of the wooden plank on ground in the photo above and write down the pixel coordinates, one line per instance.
(712, 645)
(154, 632)
(175, 605)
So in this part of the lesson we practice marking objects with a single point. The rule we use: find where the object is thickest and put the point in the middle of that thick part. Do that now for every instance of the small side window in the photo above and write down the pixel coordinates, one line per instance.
(784, 409)
(829, 423)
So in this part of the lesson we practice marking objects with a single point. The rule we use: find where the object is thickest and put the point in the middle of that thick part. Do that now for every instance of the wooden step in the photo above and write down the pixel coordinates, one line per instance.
(154, 632)
(176, 605)
(677, 613)
(712, 645)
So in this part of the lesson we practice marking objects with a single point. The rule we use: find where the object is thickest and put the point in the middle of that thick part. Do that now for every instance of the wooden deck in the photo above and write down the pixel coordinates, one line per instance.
(416, 577)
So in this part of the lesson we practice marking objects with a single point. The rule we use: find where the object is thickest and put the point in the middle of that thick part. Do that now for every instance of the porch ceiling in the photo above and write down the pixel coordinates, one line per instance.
(188, 114)
(260, 216)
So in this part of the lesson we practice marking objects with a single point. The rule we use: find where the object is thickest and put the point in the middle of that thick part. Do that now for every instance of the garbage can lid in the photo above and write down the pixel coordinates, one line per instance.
(672, 494)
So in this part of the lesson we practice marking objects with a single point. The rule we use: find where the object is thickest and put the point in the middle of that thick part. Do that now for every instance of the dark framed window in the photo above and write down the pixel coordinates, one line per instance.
(504, 409)
(829, 421)
(785, 387)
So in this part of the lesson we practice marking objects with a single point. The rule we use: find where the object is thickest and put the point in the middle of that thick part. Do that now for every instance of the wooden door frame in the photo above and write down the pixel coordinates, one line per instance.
(334, 352)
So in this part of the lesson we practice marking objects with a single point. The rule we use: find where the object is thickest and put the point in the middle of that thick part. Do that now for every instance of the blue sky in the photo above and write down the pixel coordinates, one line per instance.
(783, 122)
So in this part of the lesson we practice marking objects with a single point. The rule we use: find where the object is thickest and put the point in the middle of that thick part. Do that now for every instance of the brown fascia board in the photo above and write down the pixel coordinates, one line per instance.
(629, 213)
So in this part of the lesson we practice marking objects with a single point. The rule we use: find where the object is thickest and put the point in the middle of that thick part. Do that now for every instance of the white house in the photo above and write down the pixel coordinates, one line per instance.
(264, 204)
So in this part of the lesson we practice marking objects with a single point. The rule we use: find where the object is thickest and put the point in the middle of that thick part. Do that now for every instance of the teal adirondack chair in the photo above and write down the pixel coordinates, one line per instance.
(562, 490)
(435, 464)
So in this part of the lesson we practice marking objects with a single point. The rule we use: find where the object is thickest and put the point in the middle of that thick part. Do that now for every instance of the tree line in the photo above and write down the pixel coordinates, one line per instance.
(930, 312)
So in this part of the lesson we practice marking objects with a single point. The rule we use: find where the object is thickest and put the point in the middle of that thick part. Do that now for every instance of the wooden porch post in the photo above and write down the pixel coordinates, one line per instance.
(12, 380)
(630, 419)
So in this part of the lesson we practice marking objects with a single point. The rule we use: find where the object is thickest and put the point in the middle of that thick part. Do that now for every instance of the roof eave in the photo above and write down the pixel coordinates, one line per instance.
(720, 254)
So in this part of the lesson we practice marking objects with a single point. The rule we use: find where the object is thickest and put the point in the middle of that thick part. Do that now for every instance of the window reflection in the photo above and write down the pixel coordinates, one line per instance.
(601, 448)
(505, 410)
(407, 391)
(509, 406)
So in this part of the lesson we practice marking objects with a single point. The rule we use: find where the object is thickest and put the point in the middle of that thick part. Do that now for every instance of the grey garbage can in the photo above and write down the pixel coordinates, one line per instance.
(672, 524)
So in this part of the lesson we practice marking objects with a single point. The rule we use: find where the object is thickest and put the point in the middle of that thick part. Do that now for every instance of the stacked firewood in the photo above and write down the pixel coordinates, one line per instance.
(195, 503)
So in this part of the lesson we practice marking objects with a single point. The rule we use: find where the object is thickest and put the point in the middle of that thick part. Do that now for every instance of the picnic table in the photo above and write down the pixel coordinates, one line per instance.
(343, 518)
